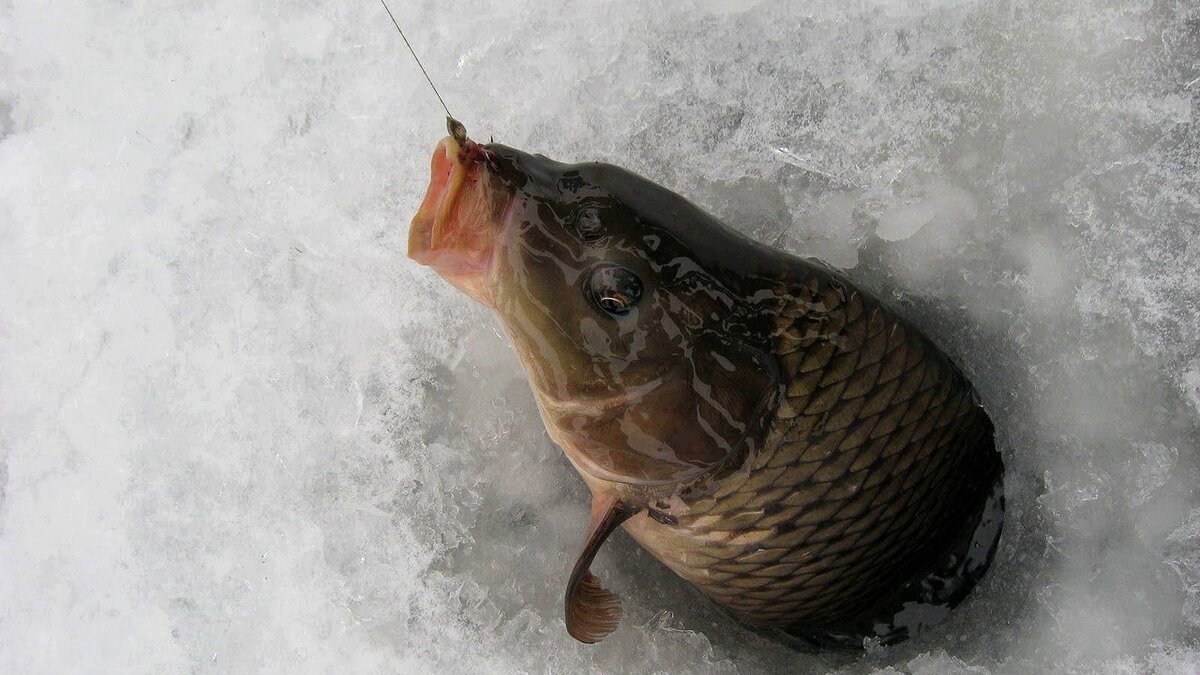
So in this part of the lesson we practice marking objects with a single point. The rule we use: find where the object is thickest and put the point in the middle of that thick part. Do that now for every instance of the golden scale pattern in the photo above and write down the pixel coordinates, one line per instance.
(863, 455)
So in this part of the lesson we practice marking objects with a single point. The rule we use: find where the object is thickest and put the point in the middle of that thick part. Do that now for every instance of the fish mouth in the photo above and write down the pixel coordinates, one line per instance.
(454, 230)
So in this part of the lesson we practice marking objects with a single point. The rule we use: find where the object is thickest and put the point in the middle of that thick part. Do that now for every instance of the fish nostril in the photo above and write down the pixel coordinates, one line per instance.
(588, 225)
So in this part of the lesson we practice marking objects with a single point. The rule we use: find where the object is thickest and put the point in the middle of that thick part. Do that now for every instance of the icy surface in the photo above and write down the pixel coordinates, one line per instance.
(241, 432)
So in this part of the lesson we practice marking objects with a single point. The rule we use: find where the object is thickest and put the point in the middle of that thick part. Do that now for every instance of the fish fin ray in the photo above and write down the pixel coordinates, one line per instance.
(591, 610)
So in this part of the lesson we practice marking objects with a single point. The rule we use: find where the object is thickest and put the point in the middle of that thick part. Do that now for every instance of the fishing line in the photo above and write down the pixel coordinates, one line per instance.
(456, 128)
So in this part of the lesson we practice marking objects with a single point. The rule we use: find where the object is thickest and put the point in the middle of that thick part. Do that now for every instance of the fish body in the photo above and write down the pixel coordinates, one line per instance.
(874, 458)
(774, 435)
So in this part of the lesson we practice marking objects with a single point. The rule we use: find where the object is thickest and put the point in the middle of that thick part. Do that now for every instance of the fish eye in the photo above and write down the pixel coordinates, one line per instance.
(588, 225)
(613, 289)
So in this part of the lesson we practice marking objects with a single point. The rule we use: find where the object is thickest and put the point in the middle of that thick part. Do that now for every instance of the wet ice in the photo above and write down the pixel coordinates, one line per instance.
(241, 431)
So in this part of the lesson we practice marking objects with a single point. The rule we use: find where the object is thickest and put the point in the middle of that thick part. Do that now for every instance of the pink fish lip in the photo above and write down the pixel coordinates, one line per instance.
(454, 231)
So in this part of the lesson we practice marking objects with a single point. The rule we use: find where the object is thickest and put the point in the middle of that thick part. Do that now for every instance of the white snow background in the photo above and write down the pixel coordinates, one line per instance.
(241, 432)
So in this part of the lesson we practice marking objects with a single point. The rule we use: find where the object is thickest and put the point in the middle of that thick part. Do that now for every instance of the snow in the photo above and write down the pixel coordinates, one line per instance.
(241, 432)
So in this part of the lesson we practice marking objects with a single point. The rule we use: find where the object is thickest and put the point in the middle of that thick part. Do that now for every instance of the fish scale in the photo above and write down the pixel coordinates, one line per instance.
(869, 436)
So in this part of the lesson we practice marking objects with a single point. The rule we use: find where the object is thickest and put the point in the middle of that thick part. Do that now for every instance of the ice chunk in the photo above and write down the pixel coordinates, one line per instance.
(939, 204)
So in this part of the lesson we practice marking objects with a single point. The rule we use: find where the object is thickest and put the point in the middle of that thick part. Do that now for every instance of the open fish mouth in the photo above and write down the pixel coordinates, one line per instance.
(455, 229)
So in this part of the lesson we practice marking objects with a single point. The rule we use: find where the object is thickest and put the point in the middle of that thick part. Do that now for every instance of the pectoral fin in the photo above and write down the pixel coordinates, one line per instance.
(592, 611)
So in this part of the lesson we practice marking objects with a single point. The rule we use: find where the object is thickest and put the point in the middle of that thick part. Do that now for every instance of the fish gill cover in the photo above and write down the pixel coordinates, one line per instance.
(239, 431)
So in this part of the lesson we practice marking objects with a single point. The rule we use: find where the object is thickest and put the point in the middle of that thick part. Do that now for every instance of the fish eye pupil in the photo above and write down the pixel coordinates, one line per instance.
(613, 289)
(613, 305)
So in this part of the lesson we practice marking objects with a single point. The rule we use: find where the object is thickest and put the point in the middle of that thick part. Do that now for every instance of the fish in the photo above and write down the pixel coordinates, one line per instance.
(775, 435)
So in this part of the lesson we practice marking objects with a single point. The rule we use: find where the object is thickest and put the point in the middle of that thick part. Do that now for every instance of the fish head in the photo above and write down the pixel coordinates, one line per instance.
(626, 304)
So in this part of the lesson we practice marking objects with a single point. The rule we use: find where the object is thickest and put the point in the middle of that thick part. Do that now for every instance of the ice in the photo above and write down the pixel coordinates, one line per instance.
(241, 432)
(940, 205)
(1183, 556)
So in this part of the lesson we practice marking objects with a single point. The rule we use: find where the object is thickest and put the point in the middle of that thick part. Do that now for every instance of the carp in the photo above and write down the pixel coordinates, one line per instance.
(772, 433)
